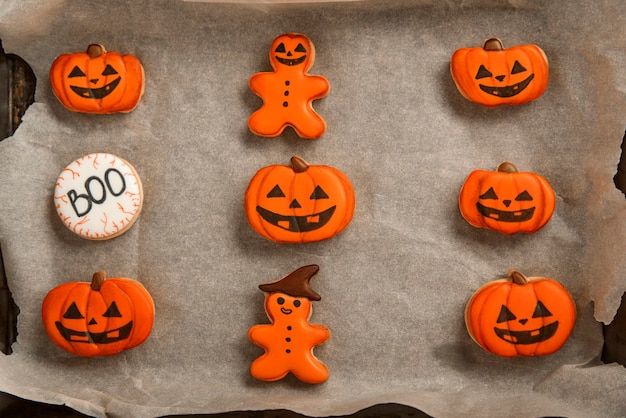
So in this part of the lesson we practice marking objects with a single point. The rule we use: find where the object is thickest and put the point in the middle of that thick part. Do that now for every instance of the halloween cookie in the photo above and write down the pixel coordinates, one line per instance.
(99, 196)
(506, 200)
(100, 318)
(492, 75)
(17, 91)
(301, 203)
(521, 316)
(289, 341)
(287, 92)
(97, 81)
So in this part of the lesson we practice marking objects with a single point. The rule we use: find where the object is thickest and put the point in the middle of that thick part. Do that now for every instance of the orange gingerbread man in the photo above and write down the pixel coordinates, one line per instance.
(287, 92)
(289, 340)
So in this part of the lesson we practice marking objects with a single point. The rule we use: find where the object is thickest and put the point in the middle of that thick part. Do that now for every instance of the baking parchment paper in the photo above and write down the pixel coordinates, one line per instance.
(394, 284)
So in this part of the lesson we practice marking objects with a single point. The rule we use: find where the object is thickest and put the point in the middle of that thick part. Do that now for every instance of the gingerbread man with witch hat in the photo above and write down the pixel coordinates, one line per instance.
(288, 342)
(288, 92)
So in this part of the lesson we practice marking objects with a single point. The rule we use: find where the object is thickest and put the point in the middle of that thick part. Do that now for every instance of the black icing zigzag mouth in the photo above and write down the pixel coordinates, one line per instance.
(505, 216)
(527, 337)
(106, 337)
(291, 62)
(507, 91)
(292, 223)
(98, 93)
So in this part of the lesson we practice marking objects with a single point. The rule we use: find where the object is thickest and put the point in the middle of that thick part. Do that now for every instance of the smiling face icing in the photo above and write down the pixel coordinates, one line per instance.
(492, 75)
(511, 319)
(98, 319)
(506, 200)
(292, 50)
(299, 204)
(97, 81)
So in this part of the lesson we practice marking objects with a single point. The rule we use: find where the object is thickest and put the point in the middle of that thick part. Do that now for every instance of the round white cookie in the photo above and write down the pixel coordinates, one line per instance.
(98, 196)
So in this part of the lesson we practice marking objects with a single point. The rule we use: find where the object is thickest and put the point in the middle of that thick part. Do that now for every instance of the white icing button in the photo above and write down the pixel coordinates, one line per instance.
(98, 196)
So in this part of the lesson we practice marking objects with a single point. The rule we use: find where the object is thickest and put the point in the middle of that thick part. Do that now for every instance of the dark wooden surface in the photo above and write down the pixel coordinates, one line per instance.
(615, 333)
(13, 407)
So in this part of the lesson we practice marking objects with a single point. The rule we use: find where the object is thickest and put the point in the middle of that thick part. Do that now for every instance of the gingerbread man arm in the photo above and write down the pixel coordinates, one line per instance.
(261, 335)
(318, 334)
(319, 86)
(260, 84)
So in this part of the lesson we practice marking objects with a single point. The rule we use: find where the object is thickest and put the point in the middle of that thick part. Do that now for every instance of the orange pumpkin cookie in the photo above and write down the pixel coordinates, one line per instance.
(506, 200)
(97, 81)
(287, 92)
(100, 318)
(289, 341)
(301, 203)
(521, 316)
(492, 75)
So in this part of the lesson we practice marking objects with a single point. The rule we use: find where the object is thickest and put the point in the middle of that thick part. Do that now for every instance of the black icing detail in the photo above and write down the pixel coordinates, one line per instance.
(291, 61)
(507, 91)
(504, 215)
(527, 337)
(297, 223)
(99, 93)
(107, 337)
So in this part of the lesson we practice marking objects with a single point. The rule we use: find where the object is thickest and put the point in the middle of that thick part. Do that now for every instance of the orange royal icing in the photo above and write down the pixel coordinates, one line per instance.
(287, 92)
(288, 342)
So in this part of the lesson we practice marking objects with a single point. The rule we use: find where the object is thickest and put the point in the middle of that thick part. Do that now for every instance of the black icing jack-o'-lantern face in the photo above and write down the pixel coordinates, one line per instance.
(291, 50)
(296, 223)
(301, 203)
(94, 332)
(515, 335)
(520, 214)
(288, 57)
(92, 92)
(507, 90)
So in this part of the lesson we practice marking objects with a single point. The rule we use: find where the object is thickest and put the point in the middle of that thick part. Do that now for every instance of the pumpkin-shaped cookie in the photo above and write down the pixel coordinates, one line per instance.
(301, 203)
(506, 200)
(100, 318)
(97, 81)
(521, 316)
(492, 75)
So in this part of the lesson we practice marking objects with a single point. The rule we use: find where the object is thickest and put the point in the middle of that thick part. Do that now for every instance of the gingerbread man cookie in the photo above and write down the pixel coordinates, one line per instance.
(287, 92)
(289, 341)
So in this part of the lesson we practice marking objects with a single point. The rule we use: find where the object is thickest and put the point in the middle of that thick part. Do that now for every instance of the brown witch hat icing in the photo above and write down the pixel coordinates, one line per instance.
(295, 284)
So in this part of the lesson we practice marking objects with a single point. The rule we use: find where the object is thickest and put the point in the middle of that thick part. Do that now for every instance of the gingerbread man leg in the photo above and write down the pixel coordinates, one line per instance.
(310, 126)
(262, 123)
(267, 368)
(310, 369)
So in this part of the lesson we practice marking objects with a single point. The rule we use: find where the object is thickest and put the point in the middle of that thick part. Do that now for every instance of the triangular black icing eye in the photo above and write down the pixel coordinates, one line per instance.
(300, 48)
(276, 192)
(108, 70)
(517, 68)
(76, 72)
(483, 72)
(505, 315)
(524, 196)
(541, 311)
(112, 312)
(73, 312)
(489, 194)
(318, 193)
(280, 48)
